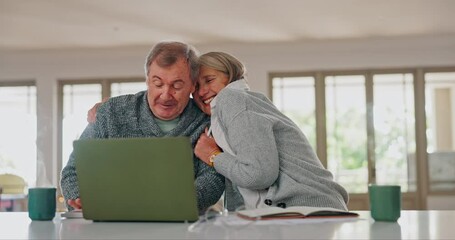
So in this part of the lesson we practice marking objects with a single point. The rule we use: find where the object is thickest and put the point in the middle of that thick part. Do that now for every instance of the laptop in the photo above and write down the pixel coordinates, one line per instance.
(136, 179)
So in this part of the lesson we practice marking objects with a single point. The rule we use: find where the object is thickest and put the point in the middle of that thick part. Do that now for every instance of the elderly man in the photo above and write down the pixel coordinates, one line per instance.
(165, 109)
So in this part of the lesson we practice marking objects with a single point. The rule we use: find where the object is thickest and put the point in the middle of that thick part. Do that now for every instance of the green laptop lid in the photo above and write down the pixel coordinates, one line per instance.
(136, 179)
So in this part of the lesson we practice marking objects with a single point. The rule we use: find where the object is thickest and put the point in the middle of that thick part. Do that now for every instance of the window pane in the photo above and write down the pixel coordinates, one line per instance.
(394, 130)
(295, 97)
(127, 88)
(77, 100)
(18, 132)
(346, 131)
(440, 112)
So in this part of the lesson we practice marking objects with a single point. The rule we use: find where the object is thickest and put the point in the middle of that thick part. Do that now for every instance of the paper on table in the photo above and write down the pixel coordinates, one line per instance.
(77, 213)
(233, 220)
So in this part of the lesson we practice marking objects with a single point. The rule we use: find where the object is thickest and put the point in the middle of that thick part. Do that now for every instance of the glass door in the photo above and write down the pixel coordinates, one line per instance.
(346, 131)
(368, 127)
(440, 112)
(394, 130)
(295, 97)
(18, 132)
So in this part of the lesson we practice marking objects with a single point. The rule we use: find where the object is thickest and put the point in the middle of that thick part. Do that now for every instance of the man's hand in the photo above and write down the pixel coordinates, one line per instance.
(75, 203)
(91, 114)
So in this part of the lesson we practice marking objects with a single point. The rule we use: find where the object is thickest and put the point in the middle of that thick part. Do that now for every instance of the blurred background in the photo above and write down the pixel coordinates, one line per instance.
(370, 83)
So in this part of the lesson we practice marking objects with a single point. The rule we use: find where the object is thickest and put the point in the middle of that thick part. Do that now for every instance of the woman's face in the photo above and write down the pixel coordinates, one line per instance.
(209, 84)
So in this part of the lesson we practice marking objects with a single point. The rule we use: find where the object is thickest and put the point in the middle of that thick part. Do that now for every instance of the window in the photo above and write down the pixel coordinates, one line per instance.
(295, 97)
(77, 100)
(440, 112)
(18, 153)
(346, 131)
(78, 97)
(370, 123)
(121, 88)
(394, 129)
(369, 120)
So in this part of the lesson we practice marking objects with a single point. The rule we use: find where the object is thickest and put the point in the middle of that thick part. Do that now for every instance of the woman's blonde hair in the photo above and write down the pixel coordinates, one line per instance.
(225, 63)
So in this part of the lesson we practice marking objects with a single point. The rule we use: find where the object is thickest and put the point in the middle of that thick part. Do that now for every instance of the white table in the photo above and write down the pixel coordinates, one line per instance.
(411, 225)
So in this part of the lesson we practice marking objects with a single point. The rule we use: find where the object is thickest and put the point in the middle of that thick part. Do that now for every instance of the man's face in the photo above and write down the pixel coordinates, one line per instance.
(169, 89)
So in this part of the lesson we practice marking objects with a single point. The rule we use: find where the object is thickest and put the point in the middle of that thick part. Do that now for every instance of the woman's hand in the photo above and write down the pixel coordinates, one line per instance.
(205, 147)
(91, 114)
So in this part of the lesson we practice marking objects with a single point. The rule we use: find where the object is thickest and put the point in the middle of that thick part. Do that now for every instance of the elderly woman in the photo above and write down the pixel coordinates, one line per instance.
(265, 157)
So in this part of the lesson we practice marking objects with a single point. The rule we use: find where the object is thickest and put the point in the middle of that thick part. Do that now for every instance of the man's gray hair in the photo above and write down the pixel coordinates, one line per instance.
(167, 53)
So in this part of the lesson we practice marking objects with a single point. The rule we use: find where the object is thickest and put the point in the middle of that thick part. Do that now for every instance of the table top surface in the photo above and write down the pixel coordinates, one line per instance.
(411, 225)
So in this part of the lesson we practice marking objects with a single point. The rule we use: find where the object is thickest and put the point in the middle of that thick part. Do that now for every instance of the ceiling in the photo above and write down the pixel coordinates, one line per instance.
(57, 24)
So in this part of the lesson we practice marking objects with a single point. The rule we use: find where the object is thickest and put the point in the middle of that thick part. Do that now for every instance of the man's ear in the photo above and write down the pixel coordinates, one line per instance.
(193, 88)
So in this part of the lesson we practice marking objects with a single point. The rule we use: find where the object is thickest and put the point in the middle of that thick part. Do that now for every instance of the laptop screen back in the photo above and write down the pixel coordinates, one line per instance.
(136, 179)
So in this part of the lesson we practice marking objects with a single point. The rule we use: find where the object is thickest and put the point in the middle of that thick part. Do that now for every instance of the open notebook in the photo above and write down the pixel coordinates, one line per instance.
(136, 179)
(293, 212)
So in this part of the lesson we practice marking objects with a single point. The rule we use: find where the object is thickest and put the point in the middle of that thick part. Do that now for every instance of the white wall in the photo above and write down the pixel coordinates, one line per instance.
(261, 59)
(46, 67)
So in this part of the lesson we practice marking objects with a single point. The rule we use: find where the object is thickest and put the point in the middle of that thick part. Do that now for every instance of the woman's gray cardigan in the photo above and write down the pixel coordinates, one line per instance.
(268, 153)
